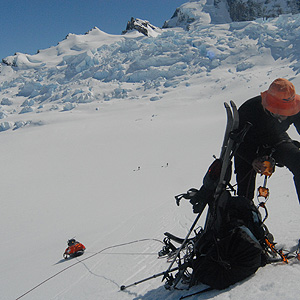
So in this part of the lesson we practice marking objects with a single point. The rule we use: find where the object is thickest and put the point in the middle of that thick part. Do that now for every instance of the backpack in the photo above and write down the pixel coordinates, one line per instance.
(231, 250)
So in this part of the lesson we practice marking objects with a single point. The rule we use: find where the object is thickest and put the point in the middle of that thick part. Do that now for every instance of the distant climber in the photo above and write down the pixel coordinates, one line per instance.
(74, 249)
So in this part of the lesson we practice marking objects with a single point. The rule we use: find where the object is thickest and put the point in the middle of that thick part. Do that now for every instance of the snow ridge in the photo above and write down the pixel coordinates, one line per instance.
(226, 11)
(101, 67)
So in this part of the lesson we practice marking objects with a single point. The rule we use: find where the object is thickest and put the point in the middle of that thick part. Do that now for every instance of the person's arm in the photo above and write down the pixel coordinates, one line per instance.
(297, 123)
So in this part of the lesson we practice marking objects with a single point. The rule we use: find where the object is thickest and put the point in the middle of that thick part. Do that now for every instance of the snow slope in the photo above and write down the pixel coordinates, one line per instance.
(106, 170)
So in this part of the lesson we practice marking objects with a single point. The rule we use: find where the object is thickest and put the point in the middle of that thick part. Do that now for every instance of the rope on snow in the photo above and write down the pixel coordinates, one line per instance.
(79, 261)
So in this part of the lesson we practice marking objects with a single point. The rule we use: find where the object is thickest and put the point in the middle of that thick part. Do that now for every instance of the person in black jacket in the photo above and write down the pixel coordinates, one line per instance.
(270, 114)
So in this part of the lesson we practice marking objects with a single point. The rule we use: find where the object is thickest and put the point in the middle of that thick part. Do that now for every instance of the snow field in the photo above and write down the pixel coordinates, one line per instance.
(98, 135)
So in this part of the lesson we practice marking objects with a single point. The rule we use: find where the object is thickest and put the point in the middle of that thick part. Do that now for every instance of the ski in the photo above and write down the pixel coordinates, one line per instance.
(228, 143)
(232, 139)
(227, 151)
(227, 129)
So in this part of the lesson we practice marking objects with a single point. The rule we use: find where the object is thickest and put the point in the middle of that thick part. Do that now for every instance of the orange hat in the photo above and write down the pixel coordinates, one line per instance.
(281, 98)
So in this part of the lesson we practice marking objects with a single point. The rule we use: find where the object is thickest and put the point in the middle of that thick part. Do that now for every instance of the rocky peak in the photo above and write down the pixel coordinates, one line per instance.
(242, 10)
(226, 11)
(142, 26)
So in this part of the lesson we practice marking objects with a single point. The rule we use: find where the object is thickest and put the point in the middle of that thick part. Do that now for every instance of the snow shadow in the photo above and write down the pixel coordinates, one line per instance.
(60, 261)
(162, 293)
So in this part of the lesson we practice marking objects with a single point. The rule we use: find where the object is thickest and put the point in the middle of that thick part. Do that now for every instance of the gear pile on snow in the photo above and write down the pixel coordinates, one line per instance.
(229, 247)
(234, 241)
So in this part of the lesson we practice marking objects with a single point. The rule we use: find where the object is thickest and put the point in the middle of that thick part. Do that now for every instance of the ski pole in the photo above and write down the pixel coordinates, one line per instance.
(183, 244)
(123, 287)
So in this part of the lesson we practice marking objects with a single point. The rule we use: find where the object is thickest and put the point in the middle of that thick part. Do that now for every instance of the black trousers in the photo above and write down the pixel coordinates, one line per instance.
(286, 153)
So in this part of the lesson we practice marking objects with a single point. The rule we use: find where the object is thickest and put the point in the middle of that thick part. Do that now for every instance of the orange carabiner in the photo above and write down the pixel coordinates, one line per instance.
(263, 192)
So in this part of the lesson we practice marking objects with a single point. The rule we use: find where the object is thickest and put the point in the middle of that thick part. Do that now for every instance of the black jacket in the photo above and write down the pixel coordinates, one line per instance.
(266, 131)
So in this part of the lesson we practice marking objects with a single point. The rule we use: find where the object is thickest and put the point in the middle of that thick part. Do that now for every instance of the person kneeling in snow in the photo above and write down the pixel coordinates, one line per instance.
(74, 249)
(271, 114)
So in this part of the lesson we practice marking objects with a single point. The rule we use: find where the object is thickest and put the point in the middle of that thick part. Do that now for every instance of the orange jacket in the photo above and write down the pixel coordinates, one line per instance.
(74, 248)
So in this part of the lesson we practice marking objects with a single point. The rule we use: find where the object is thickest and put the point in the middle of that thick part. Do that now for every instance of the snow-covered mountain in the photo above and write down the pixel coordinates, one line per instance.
(225, 11)
(142, 26)
(243, 10)
(101, 131)
(98, 67)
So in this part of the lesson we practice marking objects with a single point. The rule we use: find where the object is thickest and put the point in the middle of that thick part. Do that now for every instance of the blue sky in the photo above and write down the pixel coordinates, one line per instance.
(29, 25)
